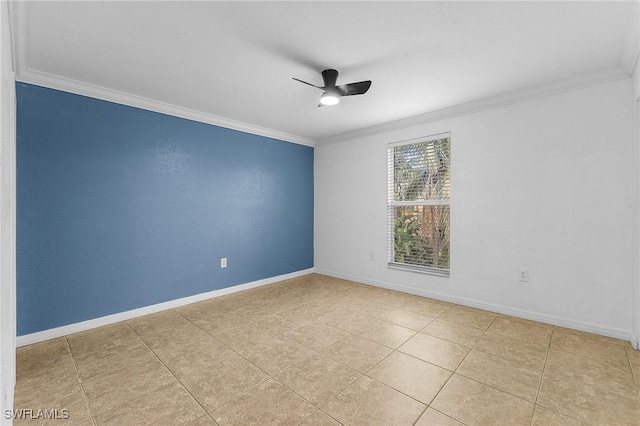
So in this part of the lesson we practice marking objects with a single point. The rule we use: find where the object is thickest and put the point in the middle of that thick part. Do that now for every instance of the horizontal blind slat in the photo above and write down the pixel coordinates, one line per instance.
(418, 203)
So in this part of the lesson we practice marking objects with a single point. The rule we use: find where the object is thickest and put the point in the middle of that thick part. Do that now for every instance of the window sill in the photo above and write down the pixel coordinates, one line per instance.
(419, 269)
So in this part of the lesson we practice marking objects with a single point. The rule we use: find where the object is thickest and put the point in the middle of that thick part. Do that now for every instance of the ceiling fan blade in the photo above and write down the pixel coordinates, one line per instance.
(358, 88)
(312, 85)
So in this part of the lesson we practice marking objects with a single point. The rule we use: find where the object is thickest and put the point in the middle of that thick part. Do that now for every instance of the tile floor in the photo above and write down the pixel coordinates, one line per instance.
(321, 351)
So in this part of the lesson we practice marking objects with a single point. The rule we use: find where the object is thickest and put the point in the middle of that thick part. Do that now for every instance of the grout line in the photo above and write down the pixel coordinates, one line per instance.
(544, 367)
(285, 294)
(84, 393)
(633, 377)
(271, 377)
(447, 415)
(456, 369)
(170, 372)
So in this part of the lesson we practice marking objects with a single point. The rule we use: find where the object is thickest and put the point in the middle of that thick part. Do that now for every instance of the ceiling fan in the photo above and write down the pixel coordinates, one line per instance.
(331, 93)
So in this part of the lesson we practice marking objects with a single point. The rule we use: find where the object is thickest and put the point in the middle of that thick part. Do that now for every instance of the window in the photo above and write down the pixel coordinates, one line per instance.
(418, 204)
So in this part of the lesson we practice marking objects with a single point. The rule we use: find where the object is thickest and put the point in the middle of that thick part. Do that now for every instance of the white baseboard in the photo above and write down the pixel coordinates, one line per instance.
(520, 313)
(53, 333)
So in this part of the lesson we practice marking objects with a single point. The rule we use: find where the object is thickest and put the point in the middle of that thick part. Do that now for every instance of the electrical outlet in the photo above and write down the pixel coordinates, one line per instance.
(223, 262)
(372, 256)
(524, 275)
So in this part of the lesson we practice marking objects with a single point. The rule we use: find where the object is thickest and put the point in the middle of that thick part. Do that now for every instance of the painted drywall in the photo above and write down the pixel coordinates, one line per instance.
(120, 208)
(544, 185)
(7, 219)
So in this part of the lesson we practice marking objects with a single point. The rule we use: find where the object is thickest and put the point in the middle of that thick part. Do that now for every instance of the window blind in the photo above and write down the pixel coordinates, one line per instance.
(419, 185)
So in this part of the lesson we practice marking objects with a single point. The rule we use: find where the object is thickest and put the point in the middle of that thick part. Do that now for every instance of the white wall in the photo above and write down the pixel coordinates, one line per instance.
(7, 217)
(544, 185)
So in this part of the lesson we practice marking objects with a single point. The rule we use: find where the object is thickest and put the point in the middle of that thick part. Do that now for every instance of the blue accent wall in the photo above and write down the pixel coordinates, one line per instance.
(120, 208)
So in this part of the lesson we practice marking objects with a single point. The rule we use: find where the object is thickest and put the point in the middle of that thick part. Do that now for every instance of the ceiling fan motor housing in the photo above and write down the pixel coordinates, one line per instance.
(330, 77)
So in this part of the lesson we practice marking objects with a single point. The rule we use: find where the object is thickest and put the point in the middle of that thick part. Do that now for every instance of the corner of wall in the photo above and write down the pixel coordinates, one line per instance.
(7, 217)
(635, 327)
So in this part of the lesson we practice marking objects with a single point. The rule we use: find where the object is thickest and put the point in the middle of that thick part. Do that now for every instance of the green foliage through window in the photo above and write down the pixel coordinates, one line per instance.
(419, 188)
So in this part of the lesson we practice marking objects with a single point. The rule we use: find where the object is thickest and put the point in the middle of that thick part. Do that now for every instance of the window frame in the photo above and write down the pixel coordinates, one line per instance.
(391, 204)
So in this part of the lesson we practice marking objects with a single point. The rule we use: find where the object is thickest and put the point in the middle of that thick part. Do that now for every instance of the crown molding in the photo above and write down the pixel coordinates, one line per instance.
(20, 30)
(630, 50)
(627, 60)
(591, 79)
(98, 92)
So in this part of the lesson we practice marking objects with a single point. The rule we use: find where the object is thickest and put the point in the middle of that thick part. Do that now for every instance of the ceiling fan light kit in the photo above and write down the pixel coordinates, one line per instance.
(329, 99)
(331, 93)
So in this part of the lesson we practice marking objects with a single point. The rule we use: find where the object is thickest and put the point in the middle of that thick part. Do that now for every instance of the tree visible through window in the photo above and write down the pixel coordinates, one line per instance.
(418, 206)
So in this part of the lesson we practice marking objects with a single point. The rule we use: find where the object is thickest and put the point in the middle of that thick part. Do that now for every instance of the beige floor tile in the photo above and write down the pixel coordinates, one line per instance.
(106, 391)
(527, 321)
(218, 322)
(515, 349)
(157, 322)
(318, 378)
(634, 361)
(246, 337)
(582, 376)
(603, 339)
(474, 403)
(313, 310)
(584, 344)
(284, 321)
(436, 351)
(368, 402)
(509, 376)
(220, 382)
(545, 417)
(320, 418)
(371, 308)
(592, 391)
(205, 420)
(411, 376)
(351, 322)
(67, 398)
(59, 421)
(408, 319)
(195, 356)
(356, 352)
(256, 311)
(168, 340)
(41, 355)
(469, 316)
(424, 306)
(453, 332)
(522, 330)
(168, 405)
(203, 308)
(109, 360)
(41, 383)
(387, 334)
(388, 297)
(277, 354)
(238, 299)
(633, 355)
(432, 417)
(269, 403)
(110, 336)
(316, 335)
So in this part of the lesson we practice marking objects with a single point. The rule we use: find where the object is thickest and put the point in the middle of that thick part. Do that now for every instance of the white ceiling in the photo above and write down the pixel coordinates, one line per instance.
(236, 60)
